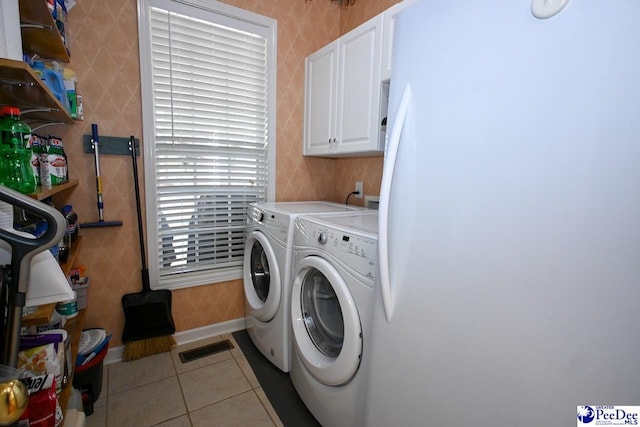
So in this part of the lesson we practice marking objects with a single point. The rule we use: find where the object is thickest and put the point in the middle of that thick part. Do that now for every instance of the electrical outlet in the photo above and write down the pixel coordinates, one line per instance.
(359, 188)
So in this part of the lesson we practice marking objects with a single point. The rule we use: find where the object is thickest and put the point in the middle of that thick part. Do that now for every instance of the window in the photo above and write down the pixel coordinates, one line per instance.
(208, 87)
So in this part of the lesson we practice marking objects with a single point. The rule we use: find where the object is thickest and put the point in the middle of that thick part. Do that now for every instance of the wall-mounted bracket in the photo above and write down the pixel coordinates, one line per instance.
(117, 145)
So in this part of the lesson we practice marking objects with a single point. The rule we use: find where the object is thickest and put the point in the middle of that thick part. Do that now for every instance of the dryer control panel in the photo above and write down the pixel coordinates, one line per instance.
(274, 223)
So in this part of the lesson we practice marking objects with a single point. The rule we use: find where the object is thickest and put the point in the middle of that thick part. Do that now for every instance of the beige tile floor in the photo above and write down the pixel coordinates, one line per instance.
(160, 390)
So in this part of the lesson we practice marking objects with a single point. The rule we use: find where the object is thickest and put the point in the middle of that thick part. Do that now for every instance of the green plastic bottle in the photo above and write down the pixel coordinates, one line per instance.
(15, 152)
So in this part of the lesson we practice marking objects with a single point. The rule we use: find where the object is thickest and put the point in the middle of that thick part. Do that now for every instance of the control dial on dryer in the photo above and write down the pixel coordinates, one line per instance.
(322, 237)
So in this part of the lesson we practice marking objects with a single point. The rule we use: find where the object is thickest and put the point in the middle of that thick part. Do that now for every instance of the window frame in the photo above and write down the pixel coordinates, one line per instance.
(226, 15)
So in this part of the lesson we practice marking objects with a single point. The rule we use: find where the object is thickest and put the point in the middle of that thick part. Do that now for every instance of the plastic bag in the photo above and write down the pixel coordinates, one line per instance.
(43, 409)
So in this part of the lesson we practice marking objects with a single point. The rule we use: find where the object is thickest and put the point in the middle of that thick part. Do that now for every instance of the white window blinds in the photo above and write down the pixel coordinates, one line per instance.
(211, 145)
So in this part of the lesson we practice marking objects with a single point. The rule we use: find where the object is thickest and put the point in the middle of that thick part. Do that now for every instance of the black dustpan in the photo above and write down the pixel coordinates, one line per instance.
(147, 314)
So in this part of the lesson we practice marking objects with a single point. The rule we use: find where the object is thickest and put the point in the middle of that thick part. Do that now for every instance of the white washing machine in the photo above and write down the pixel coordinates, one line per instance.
(335, 262)
(267, 270)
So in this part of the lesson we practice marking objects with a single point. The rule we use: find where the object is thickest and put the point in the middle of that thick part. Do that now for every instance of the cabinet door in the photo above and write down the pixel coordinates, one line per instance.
(359, 89)
(320, 101)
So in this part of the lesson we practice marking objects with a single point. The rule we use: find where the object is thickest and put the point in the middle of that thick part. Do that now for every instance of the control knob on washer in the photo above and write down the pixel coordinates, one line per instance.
(260, 216)
(322, 237)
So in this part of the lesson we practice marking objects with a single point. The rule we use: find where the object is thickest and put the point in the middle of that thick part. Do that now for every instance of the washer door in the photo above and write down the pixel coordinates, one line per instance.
(326, 325)
(262, 286)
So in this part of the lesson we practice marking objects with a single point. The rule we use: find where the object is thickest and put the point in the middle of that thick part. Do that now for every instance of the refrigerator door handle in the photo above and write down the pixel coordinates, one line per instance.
(543, 9)
(383, 208)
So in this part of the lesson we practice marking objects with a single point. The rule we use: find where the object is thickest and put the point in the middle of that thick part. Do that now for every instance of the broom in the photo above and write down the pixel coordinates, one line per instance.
(148, 326)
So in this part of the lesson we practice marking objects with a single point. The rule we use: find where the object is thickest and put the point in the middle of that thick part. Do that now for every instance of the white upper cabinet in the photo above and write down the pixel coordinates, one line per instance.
(320, 96)
(342, 95)
(359, 89)
(389, 22)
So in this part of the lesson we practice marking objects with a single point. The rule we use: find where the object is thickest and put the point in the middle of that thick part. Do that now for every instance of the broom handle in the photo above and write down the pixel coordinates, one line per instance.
(146, 286)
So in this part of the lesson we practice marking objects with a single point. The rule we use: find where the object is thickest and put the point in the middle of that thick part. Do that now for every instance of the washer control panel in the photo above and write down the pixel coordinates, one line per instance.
(357, 251)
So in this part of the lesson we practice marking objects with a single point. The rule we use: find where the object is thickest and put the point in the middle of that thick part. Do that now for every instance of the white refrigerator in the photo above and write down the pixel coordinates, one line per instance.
(509, 245)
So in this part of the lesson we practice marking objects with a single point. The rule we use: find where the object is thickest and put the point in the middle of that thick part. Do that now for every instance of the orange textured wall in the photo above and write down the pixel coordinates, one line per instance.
(104, 51)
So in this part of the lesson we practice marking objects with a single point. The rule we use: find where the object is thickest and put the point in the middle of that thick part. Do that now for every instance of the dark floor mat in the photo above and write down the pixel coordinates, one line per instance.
(276, 385)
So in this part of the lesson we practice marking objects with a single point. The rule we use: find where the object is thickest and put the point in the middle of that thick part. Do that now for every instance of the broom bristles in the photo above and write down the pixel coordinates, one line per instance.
(142, 348)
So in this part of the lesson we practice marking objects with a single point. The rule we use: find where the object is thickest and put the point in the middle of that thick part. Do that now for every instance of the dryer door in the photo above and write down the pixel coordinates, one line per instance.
(262, 286)
(326, 326)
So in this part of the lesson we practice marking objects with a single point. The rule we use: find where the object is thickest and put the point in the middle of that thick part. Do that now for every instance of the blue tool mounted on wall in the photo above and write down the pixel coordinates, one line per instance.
(95, 144)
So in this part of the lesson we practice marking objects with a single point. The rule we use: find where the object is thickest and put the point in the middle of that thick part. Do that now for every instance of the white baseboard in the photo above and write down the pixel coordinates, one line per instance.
(114, 354)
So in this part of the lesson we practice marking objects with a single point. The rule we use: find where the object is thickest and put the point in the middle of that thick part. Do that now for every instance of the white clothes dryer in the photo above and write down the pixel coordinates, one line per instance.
(267, 270)
(331, 301)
